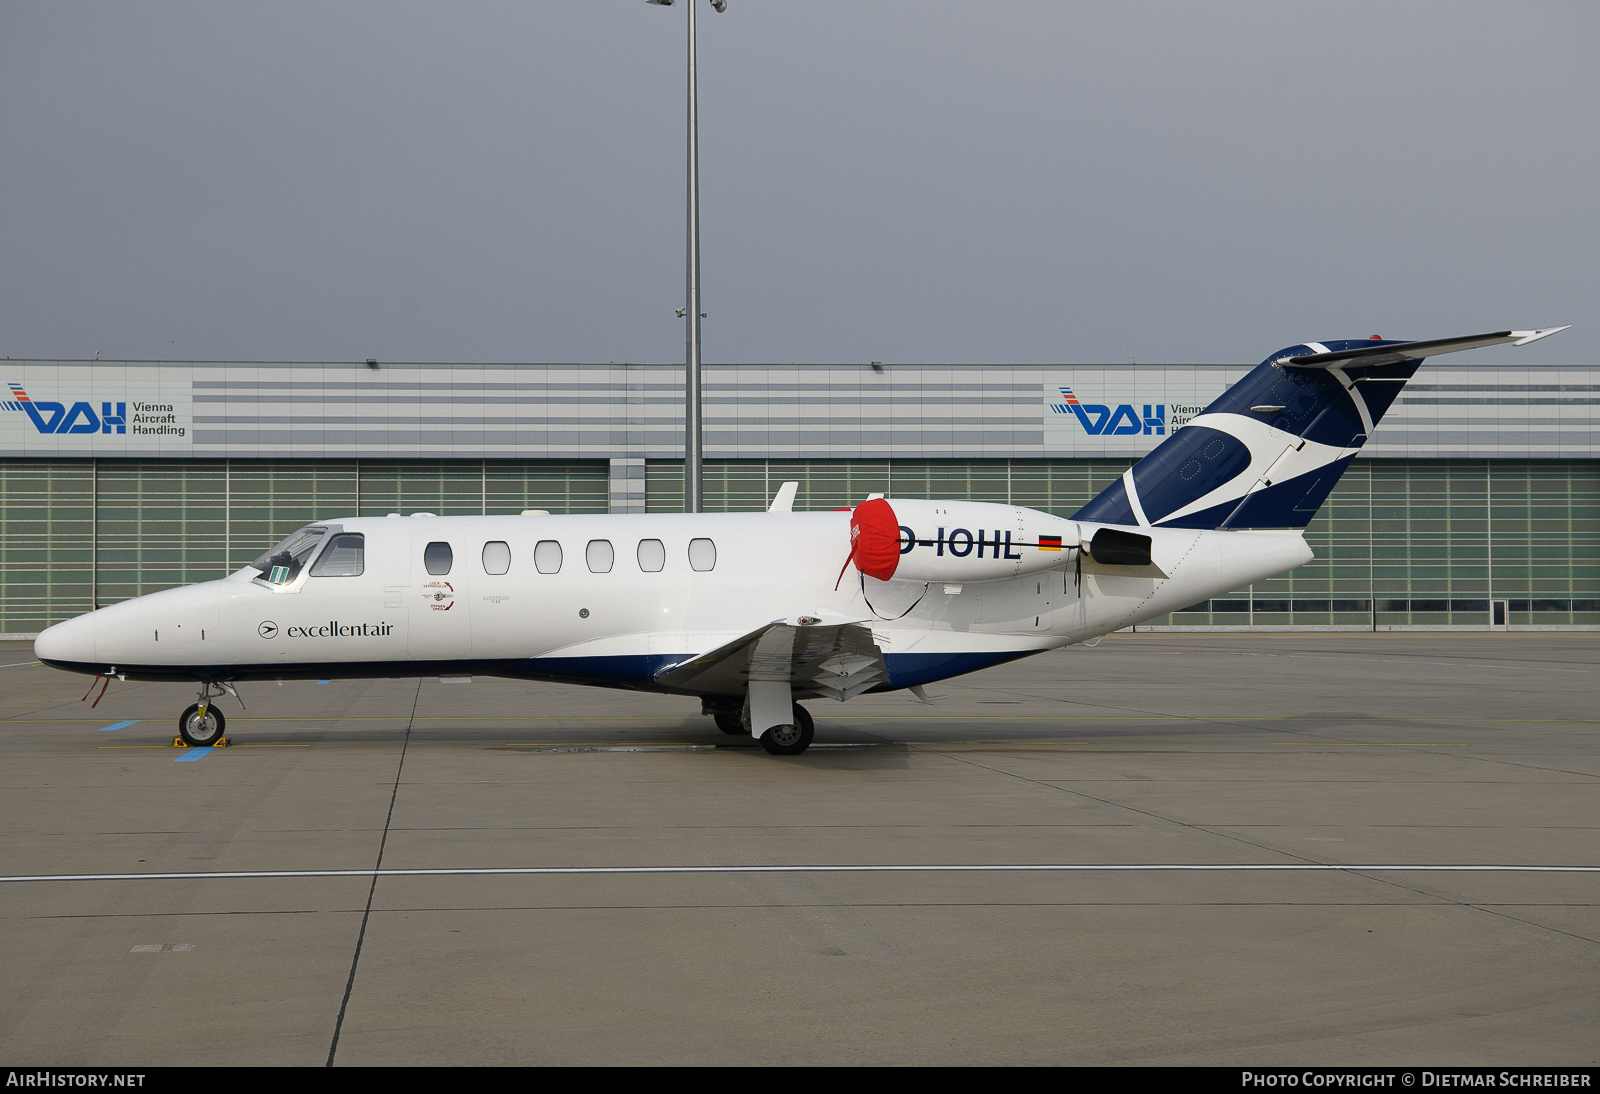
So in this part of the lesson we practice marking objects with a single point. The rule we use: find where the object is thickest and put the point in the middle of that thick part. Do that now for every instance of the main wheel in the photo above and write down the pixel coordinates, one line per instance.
(201, 732)
(731, 723)
(792, 739)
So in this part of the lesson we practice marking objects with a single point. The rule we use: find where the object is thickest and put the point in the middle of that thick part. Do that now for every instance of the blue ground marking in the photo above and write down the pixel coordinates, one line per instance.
(119, 725)
(195, 754)
(324, 681)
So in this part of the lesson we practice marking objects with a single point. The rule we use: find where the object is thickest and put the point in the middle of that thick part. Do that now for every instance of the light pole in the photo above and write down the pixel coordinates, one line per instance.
(693, 487)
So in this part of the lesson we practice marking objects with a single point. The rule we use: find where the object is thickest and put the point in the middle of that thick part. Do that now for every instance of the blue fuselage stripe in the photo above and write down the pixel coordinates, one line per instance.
(634, 671)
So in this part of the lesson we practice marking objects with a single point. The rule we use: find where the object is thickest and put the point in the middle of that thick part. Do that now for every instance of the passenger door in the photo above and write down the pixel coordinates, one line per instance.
(440, 607)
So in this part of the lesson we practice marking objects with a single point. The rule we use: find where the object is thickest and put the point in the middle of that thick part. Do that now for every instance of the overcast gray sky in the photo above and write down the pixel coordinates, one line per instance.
(973, 181)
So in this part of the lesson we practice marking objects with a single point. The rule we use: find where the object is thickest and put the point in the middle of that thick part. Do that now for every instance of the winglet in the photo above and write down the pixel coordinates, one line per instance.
(783, 500)
(1523, 337)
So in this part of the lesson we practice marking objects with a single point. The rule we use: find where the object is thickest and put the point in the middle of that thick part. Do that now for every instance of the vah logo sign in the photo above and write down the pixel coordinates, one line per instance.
(1122, 412)
(109, 409)
(48, 416)
(1098, 419)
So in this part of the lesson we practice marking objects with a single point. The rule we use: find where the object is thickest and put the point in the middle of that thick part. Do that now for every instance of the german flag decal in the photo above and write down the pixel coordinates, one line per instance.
(1049, 543)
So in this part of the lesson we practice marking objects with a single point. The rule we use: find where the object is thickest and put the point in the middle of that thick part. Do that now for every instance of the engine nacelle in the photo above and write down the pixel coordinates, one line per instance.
(920, 540)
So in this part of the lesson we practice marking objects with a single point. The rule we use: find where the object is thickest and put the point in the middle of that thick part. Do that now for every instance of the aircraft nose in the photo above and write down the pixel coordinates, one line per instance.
(71, 642)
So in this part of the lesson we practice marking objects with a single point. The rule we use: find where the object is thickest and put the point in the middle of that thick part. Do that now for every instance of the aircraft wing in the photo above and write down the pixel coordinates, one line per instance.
(836, 660)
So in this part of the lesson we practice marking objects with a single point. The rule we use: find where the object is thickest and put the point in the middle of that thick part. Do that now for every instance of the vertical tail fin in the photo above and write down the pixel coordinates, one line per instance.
(1271, 448)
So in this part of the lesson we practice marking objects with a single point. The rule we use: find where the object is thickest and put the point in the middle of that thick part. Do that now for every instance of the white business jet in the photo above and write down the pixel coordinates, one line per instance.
(752, 612)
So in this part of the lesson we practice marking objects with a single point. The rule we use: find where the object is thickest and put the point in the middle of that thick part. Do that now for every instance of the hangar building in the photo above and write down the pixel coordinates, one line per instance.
(1476, 505)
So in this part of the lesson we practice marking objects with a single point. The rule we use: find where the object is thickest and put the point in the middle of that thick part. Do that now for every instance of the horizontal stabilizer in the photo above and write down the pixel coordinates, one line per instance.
(1390, 353)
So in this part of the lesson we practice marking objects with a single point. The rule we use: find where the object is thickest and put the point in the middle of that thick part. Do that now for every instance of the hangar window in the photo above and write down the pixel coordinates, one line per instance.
(702, 555)
(436, 559)
(600, 556)
(652, 556)
(283, 563)
(344, 556)
(496, 557)
(547, 556)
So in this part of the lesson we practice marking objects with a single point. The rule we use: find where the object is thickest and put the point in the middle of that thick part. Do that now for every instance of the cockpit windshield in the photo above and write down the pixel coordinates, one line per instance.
(283, 563)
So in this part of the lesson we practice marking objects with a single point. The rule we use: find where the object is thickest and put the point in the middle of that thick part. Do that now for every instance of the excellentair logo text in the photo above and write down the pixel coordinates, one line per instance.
(335, 629)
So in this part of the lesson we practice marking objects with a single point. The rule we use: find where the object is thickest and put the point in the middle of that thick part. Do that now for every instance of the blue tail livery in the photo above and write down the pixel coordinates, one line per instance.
(1271, 448)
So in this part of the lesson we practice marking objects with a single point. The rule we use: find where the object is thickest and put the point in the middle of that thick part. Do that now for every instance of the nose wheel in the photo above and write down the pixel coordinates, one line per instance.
(201, 727)
(202, 724)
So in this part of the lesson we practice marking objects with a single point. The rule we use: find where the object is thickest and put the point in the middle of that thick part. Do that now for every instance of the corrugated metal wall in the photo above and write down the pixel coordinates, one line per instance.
(1400, 542)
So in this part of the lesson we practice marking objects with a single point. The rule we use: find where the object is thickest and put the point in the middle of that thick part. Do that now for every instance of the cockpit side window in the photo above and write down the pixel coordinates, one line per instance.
(283, 563)
(344, 556)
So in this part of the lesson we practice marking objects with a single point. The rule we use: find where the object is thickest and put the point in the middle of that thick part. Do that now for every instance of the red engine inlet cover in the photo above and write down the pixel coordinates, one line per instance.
(875, 539)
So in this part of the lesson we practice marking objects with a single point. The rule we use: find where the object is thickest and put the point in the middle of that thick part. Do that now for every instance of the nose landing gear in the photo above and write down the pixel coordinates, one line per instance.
(202, 725)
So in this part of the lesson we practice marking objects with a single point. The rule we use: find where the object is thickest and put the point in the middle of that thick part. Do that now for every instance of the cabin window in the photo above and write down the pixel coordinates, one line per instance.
(436, 559)
(600, 556)
(652, 555)
(702, 555)
(283, 563)
(496, 557)
(344, 556)
(547, 556)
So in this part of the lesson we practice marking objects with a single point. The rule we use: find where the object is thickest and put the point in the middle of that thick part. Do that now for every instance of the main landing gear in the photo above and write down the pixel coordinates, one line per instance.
(724, 711)
(789, 739)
